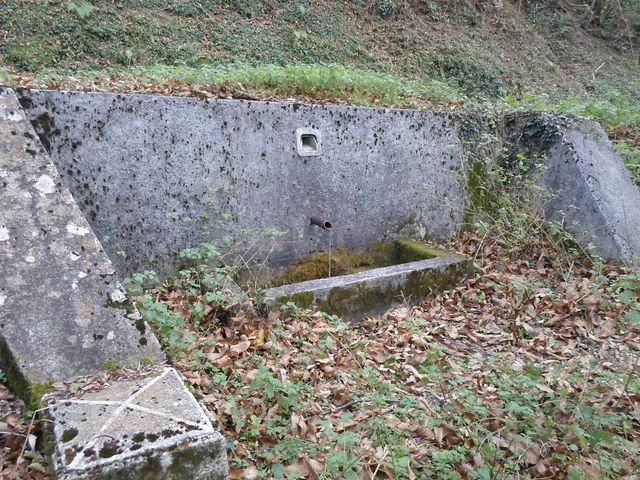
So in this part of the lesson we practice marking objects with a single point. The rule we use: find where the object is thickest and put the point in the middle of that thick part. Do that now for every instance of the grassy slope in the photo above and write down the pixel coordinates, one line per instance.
(497, 51)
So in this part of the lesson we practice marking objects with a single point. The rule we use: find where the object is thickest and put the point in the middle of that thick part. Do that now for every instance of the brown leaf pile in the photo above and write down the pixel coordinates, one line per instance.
(20, 454)
(527, 370)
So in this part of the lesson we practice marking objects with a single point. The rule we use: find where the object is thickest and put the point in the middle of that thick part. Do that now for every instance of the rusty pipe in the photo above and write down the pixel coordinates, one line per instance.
(320, 222)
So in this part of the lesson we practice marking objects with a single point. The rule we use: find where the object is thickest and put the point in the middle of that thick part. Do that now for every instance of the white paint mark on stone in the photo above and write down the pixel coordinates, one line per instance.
(53, 294)
(81, 275)
(74, 285)
(45, 184)
(4, 233)
(29, 259)
(74, 229)
(27, 194)
(10, 115)
(74, 256)
(4, 174)
(118, 296)
(82, 322)
(111, 335)
(166, 460)
(2, 299)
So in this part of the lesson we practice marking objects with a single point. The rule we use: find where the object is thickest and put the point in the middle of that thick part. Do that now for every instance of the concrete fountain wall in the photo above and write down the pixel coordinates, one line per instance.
(155, 174)
(158, 174)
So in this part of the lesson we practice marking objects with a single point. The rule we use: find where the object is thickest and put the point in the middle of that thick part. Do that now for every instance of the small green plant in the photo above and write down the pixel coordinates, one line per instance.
(111, 366)
(168, 324)
(627, 289)
(137, 283)
(82, 10)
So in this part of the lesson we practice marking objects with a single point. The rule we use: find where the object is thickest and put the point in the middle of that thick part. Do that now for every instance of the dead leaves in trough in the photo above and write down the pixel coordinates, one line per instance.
(528, 370)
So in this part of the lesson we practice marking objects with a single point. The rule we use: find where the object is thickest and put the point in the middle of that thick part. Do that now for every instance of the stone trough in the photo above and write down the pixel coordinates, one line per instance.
(416, 271)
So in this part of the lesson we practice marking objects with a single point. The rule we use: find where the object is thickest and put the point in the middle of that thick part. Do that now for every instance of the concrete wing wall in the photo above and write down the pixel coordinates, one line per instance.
(62, 311)
(594, 191)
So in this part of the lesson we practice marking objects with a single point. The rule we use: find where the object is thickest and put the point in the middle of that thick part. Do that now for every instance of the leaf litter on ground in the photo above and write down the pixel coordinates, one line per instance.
(527, 370)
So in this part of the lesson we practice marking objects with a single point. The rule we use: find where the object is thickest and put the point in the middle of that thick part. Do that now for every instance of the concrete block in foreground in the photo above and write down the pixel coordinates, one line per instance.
(144, 428)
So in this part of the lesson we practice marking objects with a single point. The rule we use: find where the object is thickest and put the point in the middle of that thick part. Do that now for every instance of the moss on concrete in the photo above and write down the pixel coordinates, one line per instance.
(345, 262)
(69, 434)
(411, 251)
(358, 300)
(302, 299)
(362, 298)
(31, 393)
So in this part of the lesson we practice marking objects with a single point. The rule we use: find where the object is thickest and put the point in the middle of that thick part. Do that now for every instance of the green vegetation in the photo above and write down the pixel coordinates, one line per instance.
(502, 377)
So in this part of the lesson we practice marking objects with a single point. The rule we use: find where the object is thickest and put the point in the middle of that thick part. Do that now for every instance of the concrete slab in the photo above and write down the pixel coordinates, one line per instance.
(376, 290)
(143, 428)
(62, 311)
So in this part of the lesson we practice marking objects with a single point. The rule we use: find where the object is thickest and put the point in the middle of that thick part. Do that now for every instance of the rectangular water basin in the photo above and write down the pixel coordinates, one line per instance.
(410, 271)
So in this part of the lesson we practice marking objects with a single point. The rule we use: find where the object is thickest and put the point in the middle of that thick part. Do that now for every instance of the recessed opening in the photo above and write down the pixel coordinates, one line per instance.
(309, 142)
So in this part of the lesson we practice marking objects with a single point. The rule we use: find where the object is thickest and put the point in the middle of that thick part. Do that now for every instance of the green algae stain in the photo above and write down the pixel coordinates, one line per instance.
(411, 251)
(345, 262)
(353, 301)
(301, 299)
(69, 434)
(108, 451)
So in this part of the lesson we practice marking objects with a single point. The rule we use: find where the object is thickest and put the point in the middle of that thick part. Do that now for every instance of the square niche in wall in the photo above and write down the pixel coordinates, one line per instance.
(308, 142)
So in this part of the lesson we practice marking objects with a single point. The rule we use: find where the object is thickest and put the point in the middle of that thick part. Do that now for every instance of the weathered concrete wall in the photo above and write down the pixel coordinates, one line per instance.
(158, 174)
(61, 307)
(593, 191)
(601, 204)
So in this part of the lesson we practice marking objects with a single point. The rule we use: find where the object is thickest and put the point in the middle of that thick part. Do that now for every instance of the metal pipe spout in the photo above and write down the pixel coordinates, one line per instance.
(321, 222)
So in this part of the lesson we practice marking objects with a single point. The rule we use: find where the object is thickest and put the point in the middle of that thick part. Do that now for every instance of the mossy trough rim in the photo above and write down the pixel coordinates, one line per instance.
(441, 271)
